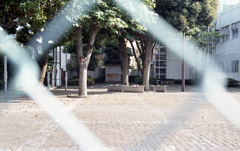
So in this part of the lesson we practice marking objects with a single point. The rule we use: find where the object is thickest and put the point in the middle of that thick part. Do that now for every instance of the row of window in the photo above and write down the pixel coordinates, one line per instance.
(235, 66)
(226, 31)
(160, 62)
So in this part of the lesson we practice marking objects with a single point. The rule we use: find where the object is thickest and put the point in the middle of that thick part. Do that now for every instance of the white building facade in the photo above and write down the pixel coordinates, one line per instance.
(227, 53)
(168, 65)
(59, 66)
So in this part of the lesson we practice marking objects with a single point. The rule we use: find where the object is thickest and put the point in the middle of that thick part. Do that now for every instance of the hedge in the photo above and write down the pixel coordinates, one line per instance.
(90, 81)
(232, 82)
(139, 80)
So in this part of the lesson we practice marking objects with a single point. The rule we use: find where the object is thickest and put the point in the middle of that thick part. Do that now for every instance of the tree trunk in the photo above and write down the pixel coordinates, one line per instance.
(83, 61)
(44, 61)
(146, 64)
(136, 58)
(124, 60)
(82, 78)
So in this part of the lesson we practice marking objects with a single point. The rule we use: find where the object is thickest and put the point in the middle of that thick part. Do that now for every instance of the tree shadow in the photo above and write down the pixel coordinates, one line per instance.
(13, 96)
(154, 139)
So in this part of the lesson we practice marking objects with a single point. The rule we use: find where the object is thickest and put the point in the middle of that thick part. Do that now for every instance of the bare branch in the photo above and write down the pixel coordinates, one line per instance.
(135, 56)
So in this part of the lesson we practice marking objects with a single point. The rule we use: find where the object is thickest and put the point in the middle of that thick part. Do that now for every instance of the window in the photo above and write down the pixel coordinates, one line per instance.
(235, 27)
(235, 66)
(225, 33)
(160, 62)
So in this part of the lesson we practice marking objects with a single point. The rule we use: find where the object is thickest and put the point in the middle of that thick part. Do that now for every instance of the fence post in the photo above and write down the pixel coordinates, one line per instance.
(66, 80)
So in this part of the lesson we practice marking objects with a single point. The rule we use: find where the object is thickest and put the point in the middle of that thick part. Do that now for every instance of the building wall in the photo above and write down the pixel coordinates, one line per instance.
(228, 50)
(60, 60)
(173, 65)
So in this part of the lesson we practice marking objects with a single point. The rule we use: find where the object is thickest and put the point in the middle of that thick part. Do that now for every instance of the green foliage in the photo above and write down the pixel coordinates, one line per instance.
(132, 78)
(232, 82)
(152, 80)
(70, 47)
(139, 80)
(50, 64)
(100, 64)
(204, 39)
(100, 79)
(187, 14)
(1, 84)
(72, 65)
(112, 52)
(90, 80)
(94, 61)
(187, 81)
(75, 82)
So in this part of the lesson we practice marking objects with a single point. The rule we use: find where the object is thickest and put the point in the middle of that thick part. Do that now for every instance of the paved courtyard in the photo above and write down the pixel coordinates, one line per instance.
(122, 121)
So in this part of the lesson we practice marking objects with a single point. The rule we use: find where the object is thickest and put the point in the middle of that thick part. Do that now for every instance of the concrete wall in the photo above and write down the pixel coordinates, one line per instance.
(174, 67)
(229, 50)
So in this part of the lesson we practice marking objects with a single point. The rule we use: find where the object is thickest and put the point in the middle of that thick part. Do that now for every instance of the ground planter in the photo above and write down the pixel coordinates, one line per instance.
(161, 88)
(115, 88)
(134, 88)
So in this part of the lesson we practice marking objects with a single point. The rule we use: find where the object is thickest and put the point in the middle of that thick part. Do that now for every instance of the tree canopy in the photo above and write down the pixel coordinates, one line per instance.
(187, 14)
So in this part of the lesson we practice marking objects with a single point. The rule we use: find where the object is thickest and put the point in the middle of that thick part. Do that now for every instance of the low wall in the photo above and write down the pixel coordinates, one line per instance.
(161, 88)
(123, 88)
(134, 88)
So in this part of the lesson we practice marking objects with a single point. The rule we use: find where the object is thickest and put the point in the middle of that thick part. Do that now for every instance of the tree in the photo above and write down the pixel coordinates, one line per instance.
(112, 51)
(187, 14)
(30, 16)
(72, 66)
(204, 38)
(145, 44)
(102, 15)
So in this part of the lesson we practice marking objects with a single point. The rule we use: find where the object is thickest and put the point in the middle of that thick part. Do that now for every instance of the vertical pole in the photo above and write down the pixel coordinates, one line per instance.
(66, 80)
(5, 74)
(48, 80)
(183, 65)
(66, 75)
(208, 50)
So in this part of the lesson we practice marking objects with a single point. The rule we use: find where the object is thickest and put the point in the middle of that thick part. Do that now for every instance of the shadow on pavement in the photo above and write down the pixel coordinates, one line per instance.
(154, 139)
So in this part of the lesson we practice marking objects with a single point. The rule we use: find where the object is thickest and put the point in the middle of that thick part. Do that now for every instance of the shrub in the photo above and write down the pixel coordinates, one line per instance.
(232, 82)
(132, 78)
(100, 79)
(139, 80)
(90, 80)
(75, 82)
(187, 81)
(1, 84)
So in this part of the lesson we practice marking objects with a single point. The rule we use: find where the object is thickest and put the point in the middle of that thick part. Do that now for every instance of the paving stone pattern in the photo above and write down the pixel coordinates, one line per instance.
(122, 121)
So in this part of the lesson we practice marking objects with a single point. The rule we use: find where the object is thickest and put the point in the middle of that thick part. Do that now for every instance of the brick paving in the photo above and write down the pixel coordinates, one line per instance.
(122, 121)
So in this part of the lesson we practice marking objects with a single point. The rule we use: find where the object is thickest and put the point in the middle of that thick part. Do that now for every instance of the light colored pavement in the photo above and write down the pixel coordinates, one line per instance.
(122, 121)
